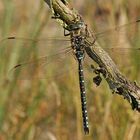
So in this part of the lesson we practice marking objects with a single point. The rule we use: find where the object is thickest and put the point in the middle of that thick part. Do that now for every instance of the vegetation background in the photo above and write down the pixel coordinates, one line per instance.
(49, 109)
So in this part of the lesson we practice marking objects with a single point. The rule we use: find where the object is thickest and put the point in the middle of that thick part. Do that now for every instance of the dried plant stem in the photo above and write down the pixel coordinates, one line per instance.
(117, 82)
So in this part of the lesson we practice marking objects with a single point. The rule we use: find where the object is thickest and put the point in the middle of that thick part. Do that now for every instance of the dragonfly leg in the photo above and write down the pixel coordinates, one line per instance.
(66, 34)
(64, 1)
(66, 29)
(55, 16)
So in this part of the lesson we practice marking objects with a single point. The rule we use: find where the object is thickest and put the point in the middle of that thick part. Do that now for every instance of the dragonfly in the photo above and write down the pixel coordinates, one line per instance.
(38, 67)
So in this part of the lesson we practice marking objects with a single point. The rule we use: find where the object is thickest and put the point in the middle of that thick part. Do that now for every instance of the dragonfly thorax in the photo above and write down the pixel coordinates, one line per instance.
(77, 42)
(78, 46)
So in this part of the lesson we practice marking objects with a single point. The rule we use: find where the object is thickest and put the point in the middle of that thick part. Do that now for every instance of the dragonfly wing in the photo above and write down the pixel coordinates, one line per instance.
(42, 46)
(120, 36)
(28, 52)
(121, 42)
(52, 66)
(127, 60)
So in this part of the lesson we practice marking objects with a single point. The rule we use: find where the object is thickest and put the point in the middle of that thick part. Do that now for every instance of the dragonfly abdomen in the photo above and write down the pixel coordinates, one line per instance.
(83, 97)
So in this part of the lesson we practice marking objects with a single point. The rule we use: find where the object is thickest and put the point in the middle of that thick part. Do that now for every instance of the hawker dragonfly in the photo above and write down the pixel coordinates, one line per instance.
(34, 67)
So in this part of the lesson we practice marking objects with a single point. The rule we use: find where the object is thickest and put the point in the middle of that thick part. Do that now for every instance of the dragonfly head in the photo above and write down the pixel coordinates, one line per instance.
(75, 26)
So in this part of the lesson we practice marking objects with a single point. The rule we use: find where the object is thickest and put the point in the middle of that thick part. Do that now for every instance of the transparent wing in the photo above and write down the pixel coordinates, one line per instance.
(121, 42)
(46, 67)
(36, 58)
(41, 46)
(131, 26)
(122, 36)
(123, 45)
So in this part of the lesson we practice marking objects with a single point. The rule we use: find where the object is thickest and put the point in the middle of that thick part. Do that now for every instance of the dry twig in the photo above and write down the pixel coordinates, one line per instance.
(118, 83)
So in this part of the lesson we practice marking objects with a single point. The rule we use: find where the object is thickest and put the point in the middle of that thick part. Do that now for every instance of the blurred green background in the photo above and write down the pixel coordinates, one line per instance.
(49, 108)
